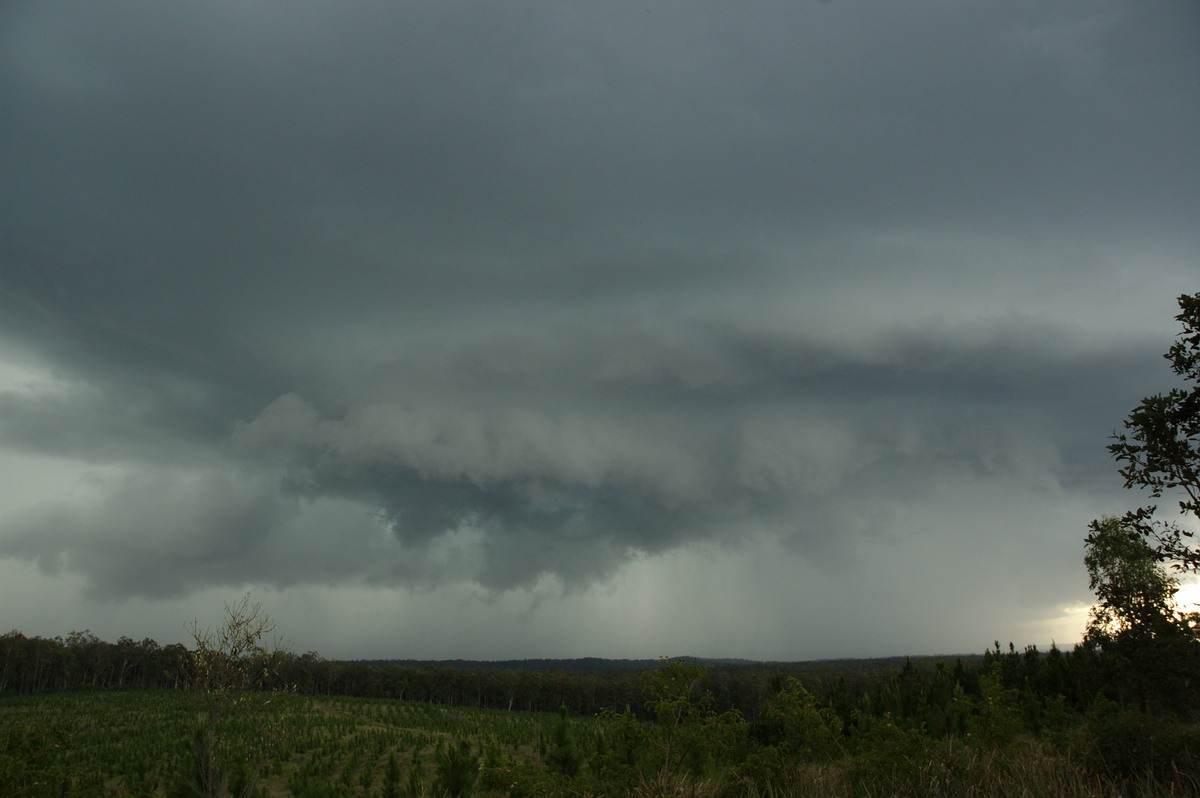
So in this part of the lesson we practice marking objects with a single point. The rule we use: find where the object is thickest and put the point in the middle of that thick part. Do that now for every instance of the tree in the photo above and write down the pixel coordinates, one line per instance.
(564, 758)
(688, 734)
(457, 768)
(1135, 596)
(226, 666)
(1161, 449)
(1151, 649)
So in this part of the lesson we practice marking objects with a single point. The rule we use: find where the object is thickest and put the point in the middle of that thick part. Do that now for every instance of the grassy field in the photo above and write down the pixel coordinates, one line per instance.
(140, 743)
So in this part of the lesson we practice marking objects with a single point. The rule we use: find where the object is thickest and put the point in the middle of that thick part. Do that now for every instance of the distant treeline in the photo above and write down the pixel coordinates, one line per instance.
(585, 686)
(928, 692)
(577, 665)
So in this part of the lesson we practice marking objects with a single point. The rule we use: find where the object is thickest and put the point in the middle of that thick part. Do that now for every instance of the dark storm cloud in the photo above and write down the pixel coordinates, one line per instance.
(623, 464)
(492, 292)
(236, 155)
(205, 530)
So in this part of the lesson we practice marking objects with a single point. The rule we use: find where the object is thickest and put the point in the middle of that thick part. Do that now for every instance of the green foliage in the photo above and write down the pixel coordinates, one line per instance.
(112, 743)
(457, 769)
(201, 774)
(1135, 596)
(997, 719)
(682, 742)
(1160, 451)
(28, 762)
(564, 757)
(1147, 648)
(688, 738)
(391, 777)
(893, 761)
(1130, 746)
(796, 724)
(795, 730)
(416, 788)
(1151, 650)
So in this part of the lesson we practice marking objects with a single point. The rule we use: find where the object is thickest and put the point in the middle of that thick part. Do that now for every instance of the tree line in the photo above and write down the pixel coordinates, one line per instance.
(83, 661)
(921, 691)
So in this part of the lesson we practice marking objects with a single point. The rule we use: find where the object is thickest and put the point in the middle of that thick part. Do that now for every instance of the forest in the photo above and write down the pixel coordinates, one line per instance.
(231, 715)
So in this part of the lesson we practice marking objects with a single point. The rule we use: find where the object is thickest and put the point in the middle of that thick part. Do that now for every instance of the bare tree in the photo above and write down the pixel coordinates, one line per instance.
(231, 666)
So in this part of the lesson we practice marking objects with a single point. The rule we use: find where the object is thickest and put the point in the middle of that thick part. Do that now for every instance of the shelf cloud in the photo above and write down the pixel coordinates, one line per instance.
(535, 306)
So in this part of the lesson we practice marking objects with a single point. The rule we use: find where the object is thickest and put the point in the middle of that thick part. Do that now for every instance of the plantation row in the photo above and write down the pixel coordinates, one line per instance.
(141, 743)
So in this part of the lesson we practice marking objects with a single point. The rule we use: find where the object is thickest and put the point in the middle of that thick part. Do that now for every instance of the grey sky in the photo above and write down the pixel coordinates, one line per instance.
(778, 330)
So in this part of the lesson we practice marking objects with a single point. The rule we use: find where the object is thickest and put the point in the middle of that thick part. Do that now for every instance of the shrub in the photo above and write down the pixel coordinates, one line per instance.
(1132, 746)
(457, 769)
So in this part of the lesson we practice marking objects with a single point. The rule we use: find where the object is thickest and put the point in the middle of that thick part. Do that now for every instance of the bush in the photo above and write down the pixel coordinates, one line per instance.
(1132, 746)
(564, 758)
(457, 769)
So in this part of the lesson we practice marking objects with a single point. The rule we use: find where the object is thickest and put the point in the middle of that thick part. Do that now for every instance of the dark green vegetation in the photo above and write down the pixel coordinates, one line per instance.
(1115, 716)
(1012, 723)
(139, 743)
(1147, 646)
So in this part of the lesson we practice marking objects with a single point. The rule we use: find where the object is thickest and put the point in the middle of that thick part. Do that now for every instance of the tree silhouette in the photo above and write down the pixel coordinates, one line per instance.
(1160, 450)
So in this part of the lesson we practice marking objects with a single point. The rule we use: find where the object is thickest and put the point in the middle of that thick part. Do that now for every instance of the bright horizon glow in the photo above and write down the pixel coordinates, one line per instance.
(1188, 597)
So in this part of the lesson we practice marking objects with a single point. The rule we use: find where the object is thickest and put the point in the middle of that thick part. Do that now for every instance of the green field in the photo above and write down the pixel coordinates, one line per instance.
(139, 743)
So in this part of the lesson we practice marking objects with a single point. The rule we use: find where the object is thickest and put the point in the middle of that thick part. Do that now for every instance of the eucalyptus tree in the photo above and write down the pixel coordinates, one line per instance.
(1160, 449)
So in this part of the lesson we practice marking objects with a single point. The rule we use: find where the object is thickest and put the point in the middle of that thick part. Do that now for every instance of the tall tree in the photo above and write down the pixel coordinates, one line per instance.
(1160, 450)
(1150, 648)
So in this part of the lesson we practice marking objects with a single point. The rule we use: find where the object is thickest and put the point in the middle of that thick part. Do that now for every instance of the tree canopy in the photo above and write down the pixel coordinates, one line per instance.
(1160, 448)
(1135, 596)
(1151, 650)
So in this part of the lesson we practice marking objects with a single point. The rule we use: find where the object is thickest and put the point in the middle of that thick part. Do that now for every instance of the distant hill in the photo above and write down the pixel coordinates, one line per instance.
(580, 665)
(596, 665)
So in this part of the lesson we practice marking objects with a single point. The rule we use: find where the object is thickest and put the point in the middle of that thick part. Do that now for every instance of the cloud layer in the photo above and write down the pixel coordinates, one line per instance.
(491, 298)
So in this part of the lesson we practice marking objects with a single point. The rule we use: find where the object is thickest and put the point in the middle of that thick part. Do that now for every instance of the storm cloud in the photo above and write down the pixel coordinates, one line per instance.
(530, 299)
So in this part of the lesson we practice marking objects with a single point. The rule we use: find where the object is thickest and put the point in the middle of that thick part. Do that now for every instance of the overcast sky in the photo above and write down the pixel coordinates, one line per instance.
(778, 330)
